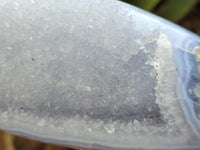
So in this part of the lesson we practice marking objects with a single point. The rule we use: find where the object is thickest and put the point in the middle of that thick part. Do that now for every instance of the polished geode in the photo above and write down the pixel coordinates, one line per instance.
(97, 74)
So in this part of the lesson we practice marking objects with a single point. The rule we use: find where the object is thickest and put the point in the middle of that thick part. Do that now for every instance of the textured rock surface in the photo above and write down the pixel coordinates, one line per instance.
(92, 74)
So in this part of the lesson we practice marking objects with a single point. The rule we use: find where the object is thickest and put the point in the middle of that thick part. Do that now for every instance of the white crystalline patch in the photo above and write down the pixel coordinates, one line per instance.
(166, 90)
(31, 38)
(197, 53)
(153, 73)
(9, 48)
(7, 24)
(197, 89)
(89, 129)
(71, 29)
(88, 88)
(32, 1)
(41, 122)
(4, 115)
(197, 93)
(167, 78)
(110, 128)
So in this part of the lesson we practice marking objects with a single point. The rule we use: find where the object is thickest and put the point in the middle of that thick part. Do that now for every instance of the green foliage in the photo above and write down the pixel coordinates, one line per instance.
(175, 10)
(145, 4)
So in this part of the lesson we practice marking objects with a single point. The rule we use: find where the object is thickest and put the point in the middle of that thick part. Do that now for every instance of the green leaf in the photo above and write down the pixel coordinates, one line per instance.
(175, 10)
(144, 4)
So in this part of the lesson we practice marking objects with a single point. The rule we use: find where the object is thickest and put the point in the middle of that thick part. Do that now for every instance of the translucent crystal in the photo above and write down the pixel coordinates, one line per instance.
(97, 74)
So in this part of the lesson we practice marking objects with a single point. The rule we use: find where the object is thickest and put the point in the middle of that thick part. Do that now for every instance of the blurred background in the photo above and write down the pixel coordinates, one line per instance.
(183, 12)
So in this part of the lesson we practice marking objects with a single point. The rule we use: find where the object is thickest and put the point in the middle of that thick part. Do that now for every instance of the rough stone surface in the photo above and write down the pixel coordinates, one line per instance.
(90, 74)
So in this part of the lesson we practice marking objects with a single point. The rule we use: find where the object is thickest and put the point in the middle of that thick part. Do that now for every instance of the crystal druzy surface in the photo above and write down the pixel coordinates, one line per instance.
(96, 74)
